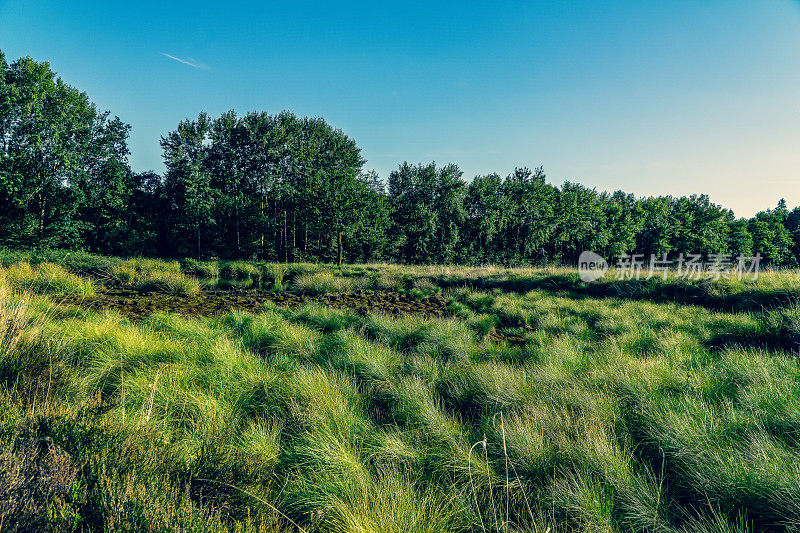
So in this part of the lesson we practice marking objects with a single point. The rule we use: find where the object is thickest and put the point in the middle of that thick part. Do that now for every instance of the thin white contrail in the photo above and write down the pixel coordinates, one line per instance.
(186, 61)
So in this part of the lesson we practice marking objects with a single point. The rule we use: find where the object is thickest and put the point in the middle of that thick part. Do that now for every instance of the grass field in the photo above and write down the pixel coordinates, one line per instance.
(536, 402)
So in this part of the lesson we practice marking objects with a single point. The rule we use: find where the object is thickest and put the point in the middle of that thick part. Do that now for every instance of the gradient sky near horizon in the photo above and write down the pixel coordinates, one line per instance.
(647, 96)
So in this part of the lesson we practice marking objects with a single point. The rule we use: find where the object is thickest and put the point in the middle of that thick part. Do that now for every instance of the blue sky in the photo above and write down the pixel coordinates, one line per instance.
(647, 96)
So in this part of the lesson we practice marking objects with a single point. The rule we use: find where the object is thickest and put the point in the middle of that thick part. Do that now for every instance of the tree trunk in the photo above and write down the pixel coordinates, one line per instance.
(238, 240)
(285, 240)
(41, 215)
(294, 233)
(339, 262)
(261, 227)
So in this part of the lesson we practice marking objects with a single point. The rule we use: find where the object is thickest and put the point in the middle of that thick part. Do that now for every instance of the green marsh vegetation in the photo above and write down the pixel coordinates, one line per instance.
(536, 409)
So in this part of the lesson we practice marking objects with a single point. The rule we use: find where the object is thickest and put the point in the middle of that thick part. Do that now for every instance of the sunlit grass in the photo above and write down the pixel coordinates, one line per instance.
(45, 278)
(169, 282)
(529, 410)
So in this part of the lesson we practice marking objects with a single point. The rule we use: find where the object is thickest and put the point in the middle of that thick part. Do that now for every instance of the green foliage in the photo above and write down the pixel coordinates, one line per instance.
(64, 177)
(427, 212)
(224, 174)
(771, 237)
(286, 188)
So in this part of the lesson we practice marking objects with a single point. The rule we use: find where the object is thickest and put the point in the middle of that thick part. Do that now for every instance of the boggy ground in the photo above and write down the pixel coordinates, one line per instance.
(135, 304)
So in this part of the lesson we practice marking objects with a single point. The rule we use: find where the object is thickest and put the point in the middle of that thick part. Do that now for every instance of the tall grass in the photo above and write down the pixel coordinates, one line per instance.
(152, 275)
(46, 278)
(240, 270)
(278, 272)
(531, 412)
(201, 269)
(327, 282)
(173, 283)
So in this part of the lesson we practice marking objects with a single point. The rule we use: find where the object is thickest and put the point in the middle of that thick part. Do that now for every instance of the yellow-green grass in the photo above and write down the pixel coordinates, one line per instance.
(155, 275)
(45, 278)
(328, 282)
(200, 269)
(531, 412)
(174, 283)
(239, 270)
(772, 288)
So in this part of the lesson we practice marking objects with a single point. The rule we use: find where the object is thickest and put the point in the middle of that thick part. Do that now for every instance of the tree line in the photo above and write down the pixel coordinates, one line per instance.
(280, 187)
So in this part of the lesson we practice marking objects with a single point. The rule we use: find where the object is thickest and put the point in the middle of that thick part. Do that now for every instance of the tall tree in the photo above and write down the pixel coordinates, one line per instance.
(771, 237)
(51, 140)
(188, 179)
(106, 185)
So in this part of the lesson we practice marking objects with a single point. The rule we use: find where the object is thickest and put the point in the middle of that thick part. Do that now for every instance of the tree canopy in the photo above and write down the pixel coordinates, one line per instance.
(285, 188)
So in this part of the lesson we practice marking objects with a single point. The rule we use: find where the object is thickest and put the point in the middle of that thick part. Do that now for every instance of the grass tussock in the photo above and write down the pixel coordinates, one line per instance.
(326, 282)
(173, 283)
(155, 275)
(45, 278)
(530, 410)
(240, 270)
(200, 269)
(277, 272)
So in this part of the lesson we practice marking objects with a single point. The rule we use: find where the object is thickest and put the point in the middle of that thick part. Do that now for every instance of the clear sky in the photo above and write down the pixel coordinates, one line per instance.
(649, 96)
